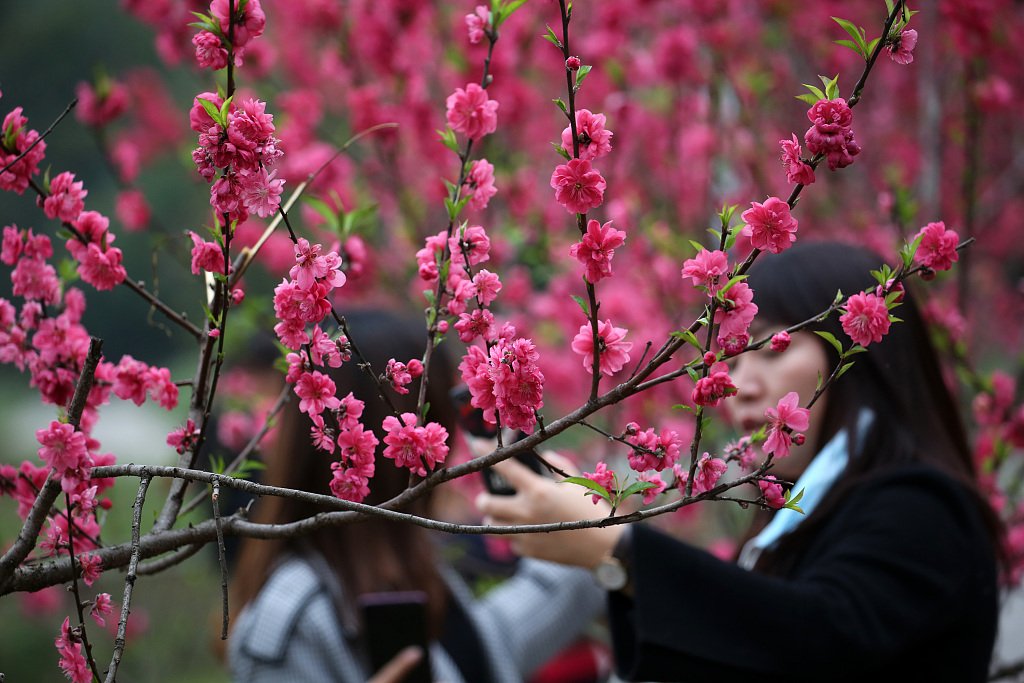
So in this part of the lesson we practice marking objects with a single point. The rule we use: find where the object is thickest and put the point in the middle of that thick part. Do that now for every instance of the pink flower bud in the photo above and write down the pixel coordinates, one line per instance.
(214, 333)
(442, 327)
(799, 439)
(237, 296)
(573, 63)
(780, 341)
(709, 358)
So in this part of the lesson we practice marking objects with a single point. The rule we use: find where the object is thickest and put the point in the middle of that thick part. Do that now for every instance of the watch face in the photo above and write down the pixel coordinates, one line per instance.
(611, 575)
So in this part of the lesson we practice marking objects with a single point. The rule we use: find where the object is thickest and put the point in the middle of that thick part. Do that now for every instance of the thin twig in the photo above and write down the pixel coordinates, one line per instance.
(79, 607)
(129, 580)
(214, 501)
(67, 109)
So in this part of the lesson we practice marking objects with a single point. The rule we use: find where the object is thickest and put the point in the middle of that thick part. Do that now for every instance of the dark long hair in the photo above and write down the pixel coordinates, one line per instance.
(371, 555)
(900, 380)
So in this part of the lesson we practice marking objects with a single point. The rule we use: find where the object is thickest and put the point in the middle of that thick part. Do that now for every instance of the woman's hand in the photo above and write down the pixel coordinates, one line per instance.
(540, 500)
(399, 667)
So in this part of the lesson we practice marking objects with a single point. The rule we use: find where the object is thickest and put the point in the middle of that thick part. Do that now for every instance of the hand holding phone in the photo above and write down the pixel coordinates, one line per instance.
(391, 623)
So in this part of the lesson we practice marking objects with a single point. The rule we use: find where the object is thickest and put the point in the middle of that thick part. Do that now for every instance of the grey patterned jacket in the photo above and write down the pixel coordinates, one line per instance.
(292, 631)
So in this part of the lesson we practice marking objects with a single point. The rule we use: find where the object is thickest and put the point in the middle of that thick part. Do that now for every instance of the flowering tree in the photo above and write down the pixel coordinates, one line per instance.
(547, 242)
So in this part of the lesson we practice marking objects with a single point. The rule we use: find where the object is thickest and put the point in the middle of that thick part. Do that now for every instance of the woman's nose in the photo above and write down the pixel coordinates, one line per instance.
(748, 380)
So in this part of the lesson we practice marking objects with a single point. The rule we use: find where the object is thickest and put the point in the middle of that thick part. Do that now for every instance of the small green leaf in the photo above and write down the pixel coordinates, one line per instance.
(830, 338)
(873, 44)
(448, 139)
(809, 99)
(689, 337)
(843, 369)
(693, 374)
(562, 151)
(591, 485)
(634, 488)
(582, 304)
(816, 91)
(561, 105)
(582, 74)
(697, 246)
(213, 111)
(552, 38)
(856, 33)
(731, 282)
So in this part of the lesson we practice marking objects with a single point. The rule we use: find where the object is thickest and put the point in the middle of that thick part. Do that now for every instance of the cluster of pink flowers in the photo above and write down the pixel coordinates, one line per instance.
(772, 492)
(506, 380)
(603, 476)
(710, 390)
(709, 471)
(479, 184)
(612, 347)
(223, 32)
(595, 141)
(831, 133)
(400, 375)
(243, 145)
(304, 298)
(478, 23)
(596, 249)
(99, 264)
(742, 451)
(780, 341)
(937, 249)
(786, 417)
(734, 318)
(866, 319)
(417, 448)
(72, 660)
(351, 474)
(654, 451)
(471, 112)
(15, 139)
(183, 439)
(706, 269)
(770, 226)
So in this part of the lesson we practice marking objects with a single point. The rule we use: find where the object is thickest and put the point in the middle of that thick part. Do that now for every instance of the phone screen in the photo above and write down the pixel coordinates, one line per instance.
(392, 622)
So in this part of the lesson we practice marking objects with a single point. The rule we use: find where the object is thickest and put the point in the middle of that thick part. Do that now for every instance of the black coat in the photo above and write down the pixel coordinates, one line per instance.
(898, 585)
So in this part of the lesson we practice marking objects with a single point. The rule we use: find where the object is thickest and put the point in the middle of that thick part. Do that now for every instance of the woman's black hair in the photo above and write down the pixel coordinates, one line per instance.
(914, 415)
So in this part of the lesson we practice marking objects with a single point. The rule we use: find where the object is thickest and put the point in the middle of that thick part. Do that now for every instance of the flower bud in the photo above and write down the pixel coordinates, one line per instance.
(799, 439)
(573, 63)
(780, 341)
(709, 358)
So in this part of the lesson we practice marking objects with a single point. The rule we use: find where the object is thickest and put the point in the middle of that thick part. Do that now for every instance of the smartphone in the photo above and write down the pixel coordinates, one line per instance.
(472, 421)
(392, 622)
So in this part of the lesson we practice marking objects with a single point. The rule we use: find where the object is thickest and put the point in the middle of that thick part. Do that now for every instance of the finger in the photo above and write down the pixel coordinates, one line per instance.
(561, 462)
(501, 509)
(399, 666)
(480, 446)
(519, 476)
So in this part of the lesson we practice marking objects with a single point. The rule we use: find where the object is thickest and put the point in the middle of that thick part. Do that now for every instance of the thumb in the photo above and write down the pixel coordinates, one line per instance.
(519, 476)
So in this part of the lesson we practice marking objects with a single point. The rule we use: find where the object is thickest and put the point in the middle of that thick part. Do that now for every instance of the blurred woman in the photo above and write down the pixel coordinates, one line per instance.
(300, 621)
(891, 575)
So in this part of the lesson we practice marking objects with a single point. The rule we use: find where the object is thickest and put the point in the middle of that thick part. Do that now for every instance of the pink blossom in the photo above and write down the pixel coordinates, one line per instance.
(321, 435)
(772, 492)
(613, 349)
(734, 318)
(797, 171)
(654, 452)
(349, 412)
(517, 382)
(577, 187)
(479, 323)
(901, 48)
(937, 249)
(16, 138)
(210, 54)
(595, 141)
(742, 450)
(770, 225)
(654, 491)
(92, 567)
(780, 341)
(199, 120)
(866, 318)
(471, 112)
(206, 255)
(249, 21)
(72, 661)
(162, 388)
(12, 245)
(830, 133)
(603, 476)
(101, 607)
(477, 23)
(400, 375)
(131, 380)
(101, 269)
(261, 192)
(99, 107)
(471, 242)
(357, 445)
(785, 416)
(706, 269)
(348, 483)
(63, 448)
(480, 183)
(412, 447)
(36, 279)
(66, 199)
(712, 389)
(487, 286)
(709, 471)
(596, 249)
(309, 264)
(316, 391)
(132, 210)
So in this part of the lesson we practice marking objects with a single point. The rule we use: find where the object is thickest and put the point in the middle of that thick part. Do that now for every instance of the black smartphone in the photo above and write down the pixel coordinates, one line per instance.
(472, 421)
(393, 622)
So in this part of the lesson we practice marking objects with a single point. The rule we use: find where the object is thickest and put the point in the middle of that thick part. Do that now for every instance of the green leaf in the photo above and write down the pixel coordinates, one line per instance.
(831, 86)
(582, 304)
(593, 486)
(873, 44)
(213, 111)
(324, 209)
(225, 107)
(552, 38)
(856, 33)
(850, 44)
(816, 91)
(731, 282)
(582, 74)
(843, 369)
(693, 374)
(561, 105)
(809, 99)
(697, 246)
(562, 151)
(634, 488)
(830, 338)
(791, 503)
(448, 139)
(689, 337)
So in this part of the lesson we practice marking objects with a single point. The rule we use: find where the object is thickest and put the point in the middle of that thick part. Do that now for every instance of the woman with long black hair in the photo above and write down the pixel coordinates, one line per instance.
(891, 575)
